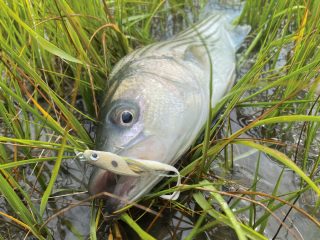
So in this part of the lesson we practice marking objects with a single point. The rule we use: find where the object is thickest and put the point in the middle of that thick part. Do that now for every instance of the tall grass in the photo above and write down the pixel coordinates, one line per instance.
(55, 57)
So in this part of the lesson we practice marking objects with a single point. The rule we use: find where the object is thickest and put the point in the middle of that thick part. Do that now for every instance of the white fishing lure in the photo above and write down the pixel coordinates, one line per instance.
(130, 167)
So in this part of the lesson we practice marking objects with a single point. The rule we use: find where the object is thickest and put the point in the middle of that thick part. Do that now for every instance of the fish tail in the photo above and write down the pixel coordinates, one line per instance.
(238, 34)
(230, 10)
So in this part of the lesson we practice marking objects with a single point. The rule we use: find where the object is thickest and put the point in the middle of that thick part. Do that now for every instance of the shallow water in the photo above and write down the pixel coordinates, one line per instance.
(246, 163)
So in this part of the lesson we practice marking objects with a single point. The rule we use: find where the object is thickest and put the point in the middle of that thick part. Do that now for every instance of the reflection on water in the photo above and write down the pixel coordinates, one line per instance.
(249, 162)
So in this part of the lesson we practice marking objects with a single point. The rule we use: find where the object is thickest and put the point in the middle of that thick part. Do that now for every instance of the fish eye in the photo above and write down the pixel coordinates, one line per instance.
(126, 117)
(123, 114)
(94, 156)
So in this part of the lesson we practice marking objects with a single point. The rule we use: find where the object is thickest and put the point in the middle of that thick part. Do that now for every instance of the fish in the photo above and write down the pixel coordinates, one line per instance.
(158, 101)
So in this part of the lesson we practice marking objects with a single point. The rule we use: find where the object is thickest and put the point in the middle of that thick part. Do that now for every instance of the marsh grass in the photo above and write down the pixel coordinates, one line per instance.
(55, 57)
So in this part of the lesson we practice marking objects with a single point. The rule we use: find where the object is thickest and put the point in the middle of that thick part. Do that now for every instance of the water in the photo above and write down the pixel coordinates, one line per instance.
(246, 163)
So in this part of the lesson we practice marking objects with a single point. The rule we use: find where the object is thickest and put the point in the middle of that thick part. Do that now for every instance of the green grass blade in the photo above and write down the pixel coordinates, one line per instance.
(29, 161)
(142, 234)
(53, 178)
(284, 159)
(224, 206)
(18, 206)
(288, 118)
(93, 224)
(204, 204)
(42, 42)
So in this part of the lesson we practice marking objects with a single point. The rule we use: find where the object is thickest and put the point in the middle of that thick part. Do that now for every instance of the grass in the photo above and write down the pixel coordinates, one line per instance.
(55, 57)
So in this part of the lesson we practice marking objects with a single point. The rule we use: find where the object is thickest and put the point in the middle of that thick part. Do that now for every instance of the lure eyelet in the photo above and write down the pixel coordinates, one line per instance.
(94, 156)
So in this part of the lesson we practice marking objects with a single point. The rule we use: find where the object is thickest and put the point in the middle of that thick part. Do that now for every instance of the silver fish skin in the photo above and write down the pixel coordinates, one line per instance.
(158, 100)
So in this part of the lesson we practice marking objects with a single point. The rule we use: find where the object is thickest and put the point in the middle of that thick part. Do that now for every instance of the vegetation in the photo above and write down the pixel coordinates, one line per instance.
(55, 57)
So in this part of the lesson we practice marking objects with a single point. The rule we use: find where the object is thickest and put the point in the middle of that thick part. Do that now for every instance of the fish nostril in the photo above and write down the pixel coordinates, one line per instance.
(114, 163)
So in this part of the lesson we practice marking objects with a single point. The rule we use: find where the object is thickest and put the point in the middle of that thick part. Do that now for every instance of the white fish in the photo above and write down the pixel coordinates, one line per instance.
(158, 98)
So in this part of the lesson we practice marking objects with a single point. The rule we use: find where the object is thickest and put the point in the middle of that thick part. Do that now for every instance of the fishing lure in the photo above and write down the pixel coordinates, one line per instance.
(130, 166)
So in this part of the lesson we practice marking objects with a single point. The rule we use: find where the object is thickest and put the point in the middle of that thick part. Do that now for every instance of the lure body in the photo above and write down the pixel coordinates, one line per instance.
(109, 161)
(130, 167)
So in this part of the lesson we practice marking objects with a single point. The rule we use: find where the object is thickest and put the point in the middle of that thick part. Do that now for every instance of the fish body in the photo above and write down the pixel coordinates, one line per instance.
(158, 101)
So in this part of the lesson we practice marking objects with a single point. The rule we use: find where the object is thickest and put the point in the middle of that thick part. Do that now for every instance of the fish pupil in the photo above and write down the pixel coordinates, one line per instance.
(126, 117)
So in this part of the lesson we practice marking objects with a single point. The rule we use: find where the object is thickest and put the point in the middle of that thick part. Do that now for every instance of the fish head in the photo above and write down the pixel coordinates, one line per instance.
(140, 118)
(145, 115)
(132, 123)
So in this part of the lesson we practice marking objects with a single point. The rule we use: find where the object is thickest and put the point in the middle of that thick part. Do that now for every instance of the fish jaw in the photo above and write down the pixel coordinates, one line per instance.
(101, 181)
(122, 193)
(104, 182)
(116, 192)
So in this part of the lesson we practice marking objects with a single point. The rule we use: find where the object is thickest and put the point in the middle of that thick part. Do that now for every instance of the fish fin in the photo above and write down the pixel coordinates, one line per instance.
(218, 20)
(229, 12)
(238, 34)
(197, 54)
(231, 9)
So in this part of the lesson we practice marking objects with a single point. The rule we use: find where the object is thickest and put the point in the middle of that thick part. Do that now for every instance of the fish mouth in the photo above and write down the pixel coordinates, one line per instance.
(116, 188)
(121, 189)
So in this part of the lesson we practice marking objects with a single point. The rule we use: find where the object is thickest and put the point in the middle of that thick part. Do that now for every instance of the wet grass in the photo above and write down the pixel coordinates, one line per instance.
(55, 57)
